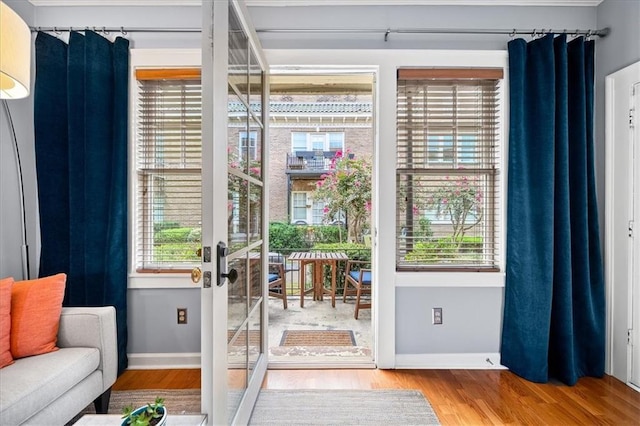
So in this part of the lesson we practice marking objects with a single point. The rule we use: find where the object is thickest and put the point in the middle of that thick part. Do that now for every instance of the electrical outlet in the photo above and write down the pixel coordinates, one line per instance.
(436, 316)
(182, 315)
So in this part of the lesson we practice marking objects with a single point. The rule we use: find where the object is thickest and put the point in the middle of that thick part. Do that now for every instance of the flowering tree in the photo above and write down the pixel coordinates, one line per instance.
(346, 189)
(460, 199)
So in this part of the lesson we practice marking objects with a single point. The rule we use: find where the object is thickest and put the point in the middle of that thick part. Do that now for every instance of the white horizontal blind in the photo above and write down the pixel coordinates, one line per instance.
(168, 141)
(447, 170)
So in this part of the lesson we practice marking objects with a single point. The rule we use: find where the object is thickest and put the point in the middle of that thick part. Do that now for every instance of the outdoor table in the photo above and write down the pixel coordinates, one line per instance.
(317, 259)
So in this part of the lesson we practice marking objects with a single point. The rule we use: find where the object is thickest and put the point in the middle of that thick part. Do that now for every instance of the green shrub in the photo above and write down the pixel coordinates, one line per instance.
(195, 235)
(165, 225)
(327, 234)
(443, 249)
(177, 251)
(172, 235)
(286, 238)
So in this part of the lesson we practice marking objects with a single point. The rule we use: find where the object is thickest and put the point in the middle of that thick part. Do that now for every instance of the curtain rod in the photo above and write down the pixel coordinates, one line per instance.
(121, 30)
(533, 32)
(513, 32)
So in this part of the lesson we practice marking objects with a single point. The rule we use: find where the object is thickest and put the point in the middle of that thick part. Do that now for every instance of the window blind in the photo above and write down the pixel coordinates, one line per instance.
(447, 173)
(168, 162)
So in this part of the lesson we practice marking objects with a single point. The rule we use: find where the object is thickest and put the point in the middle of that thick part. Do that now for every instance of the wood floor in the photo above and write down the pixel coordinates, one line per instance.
(459, 397)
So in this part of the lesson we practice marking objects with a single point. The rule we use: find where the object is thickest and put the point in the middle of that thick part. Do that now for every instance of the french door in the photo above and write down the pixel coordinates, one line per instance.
(234, 228)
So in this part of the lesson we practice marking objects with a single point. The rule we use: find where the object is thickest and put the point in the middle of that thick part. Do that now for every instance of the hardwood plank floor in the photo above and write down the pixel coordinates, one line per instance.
(459, 397)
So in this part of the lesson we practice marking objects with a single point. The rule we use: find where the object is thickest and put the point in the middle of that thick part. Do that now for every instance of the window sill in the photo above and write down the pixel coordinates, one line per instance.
(164, 280)
(449, 279)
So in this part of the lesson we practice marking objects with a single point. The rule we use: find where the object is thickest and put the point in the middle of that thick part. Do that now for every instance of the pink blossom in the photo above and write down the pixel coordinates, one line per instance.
(368, 206)
(325, 210)
(445, 201)
(416, 210)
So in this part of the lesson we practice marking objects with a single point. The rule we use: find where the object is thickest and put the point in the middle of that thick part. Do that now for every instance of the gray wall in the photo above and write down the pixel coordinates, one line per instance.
(470, 326)
(382, 17)
(472, 320)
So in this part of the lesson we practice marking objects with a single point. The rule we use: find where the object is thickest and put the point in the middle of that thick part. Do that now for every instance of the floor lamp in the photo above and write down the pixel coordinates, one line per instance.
(15, 81)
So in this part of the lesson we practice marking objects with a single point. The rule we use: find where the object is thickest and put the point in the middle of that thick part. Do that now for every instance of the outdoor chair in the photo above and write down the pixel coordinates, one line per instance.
(277, 273)
(277, 282)
(358, 276)
(289, 265)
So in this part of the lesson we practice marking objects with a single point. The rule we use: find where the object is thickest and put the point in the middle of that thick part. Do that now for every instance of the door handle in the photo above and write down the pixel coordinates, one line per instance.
(221, 253)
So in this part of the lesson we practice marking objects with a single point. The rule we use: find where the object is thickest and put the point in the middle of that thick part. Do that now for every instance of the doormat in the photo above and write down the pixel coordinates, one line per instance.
(318, 338)
(254, 338)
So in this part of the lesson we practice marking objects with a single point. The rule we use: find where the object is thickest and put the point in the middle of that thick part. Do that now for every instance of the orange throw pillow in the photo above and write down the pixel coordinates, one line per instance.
(5, 322)
(35, 315)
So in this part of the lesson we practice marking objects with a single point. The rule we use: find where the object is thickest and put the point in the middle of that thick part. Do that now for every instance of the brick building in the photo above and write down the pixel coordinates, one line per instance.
(305, 134)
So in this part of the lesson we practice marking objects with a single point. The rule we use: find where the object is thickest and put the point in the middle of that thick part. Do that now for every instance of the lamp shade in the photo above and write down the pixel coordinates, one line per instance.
(15, 55)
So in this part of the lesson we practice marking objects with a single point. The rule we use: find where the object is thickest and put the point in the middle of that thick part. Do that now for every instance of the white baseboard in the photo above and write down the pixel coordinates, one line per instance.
(163, 361)
(472, 361)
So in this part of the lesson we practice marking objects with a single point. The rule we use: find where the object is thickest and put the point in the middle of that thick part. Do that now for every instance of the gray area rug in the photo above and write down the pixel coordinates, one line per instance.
(300, 407)
(342, 407)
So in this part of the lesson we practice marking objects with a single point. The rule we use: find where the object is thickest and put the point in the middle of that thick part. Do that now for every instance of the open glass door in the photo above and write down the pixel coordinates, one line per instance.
(233, 209)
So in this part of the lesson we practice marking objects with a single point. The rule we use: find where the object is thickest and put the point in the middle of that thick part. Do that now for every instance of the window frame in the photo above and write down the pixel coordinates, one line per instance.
(310, 136)
(150, 58)
(252, 137)
(310, 206)
(424, 166)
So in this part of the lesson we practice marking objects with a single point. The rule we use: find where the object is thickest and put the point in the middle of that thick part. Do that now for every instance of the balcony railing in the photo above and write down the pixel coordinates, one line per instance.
(310, 162)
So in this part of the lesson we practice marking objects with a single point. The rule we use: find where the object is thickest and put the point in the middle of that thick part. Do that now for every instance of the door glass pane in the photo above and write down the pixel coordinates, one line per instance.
(237, 132)
(254, 153)
(236, 370)
(255, 86)
(238, 55)
(255, 212)
(237, 207)
(237, 296)
(255, 277)
(255, 338)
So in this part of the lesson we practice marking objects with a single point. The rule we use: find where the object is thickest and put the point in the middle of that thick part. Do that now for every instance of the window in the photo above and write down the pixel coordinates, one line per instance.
(447, 172)
(305, 209)
(315, 141)
(299, 206)
(253, 146)
(317, 212)
(168, 161)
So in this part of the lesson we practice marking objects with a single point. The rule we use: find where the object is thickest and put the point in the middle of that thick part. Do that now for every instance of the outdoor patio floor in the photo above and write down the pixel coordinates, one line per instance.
(319, 315)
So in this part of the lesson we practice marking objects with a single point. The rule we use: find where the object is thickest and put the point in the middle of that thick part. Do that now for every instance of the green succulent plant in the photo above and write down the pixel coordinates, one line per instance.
(150, 416)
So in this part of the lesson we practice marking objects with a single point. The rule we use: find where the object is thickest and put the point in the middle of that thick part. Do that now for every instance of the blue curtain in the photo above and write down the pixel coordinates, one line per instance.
(554, 315)
(81, 101)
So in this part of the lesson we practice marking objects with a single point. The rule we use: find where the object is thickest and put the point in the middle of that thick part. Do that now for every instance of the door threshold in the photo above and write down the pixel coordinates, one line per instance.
(320, 365)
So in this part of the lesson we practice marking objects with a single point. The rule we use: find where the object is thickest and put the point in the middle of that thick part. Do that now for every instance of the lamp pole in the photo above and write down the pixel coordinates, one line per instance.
(23, 215)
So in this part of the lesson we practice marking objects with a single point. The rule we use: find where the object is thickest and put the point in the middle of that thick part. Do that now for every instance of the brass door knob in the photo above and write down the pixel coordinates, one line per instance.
(196, 275)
